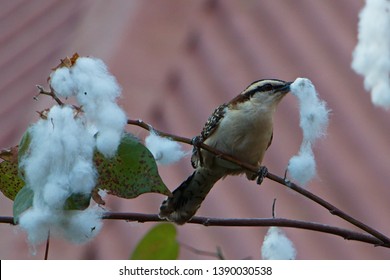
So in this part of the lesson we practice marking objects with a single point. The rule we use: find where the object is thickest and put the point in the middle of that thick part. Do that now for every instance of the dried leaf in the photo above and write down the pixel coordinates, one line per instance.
(10, 155)
(67, 61)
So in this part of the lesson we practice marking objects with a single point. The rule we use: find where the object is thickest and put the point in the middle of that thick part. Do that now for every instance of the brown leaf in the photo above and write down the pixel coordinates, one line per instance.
(96, 197)
(67, 61)
(10, 155)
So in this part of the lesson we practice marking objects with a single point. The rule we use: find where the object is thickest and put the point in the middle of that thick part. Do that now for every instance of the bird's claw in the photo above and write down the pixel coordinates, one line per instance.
(261, 174)
(195, 142)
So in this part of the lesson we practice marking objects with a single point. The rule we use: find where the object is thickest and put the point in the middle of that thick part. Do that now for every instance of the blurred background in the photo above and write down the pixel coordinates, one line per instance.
(178, 60)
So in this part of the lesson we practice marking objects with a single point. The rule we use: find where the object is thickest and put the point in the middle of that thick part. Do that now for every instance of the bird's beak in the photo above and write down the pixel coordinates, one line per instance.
(286, 87)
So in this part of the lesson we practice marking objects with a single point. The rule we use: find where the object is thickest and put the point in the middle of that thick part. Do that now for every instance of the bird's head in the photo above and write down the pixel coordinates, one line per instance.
(268, 91)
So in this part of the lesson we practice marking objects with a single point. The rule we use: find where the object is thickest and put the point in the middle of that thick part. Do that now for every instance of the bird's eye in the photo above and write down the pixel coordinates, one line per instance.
(267, 87)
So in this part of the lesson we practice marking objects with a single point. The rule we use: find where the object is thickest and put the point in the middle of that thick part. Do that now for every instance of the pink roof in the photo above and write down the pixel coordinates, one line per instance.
(176, 62)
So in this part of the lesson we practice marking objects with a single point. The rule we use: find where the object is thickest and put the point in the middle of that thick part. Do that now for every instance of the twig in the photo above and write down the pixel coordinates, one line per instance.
(255, 222)
(273, 208)
(148, 127)
(47, 246)
(332, 209)
(7, 220)
(244, 222)
(42, 91)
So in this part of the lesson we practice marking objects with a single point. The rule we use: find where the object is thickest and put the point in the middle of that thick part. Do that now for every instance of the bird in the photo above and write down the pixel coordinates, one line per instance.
(241, 128)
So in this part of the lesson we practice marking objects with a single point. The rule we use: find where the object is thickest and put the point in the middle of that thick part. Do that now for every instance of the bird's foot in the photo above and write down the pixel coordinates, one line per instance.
(261, 174)
(195, 142)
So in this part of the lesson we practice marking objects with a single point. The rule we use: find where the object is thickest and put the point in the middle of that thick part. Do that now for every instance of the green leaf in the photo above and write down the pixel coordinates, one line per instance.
(24, 150)
(23, 201)
(24, 144)
(132, 172)
(10, 182)
(158, 244)
(77, 201)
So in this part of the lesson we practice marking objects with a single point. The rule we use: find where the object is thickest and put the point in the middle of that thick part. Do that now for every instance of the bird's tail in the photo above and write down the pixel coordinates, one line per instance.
(187, 198)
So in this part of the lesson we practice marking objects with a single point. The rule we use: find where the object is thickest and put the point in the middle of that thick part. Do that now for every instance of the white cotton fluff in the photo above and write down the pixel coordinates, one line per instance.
(302, 167)
(276, 246)
(313, 112)
(37, 223)
(109, 121)
(164, 150)
(314, 119)
(96, 90)
(82, 226)
(62, 82)
(371, 57)
(75, 226)
(59, 163)
(58, 144)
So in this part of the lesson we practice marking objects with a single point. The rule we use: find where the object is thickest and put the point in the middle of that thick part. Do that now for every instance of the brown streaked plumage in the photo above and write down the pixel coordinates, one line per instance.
(242, 128)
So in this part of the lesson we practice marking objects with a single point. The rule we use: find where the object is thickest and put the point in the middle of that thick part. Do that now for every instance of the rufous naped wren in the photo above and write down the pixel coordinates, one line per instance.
(241, 128)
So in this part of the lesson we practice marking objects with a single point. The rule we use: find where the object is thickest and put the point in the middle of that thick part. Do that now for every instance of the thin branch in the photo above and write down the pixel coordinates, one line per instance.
(7, 220)
(47, 246)
(273, 208)
(244, 222)
(255, 222)
(148, 127)
(42, 91)
(332, 209)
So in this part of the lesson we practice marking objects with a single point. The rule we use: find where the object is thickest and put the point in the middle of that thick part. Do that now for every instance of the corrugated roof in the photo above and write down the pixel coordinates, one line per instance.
(176, 62)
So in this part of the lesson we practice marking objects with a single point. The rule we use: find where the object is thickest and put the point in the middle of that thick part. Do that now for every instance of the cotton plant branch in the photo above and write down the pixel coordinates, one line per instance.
(42, 91)
(282, 181)
(244, 222)
(255, 222)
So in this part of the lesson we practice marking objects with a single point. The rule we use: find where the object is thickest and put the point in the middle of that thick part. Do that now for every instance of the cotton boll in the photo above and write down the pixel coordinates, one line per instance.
(92, 77)
(110, 122)
(82, 178)
(314, 115)
(82, 226)
(56, 145)
(381, 95)
(302, 167)
(277, 246)
(97, 92)
(62, 83)
(106, 86)
(90, 66)
(164, 150)
(371, 57)
(55, 191)
(59, 161)
(110, 115)
(314, 119)
(58, 164)
(36, 222)
(107, 142)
